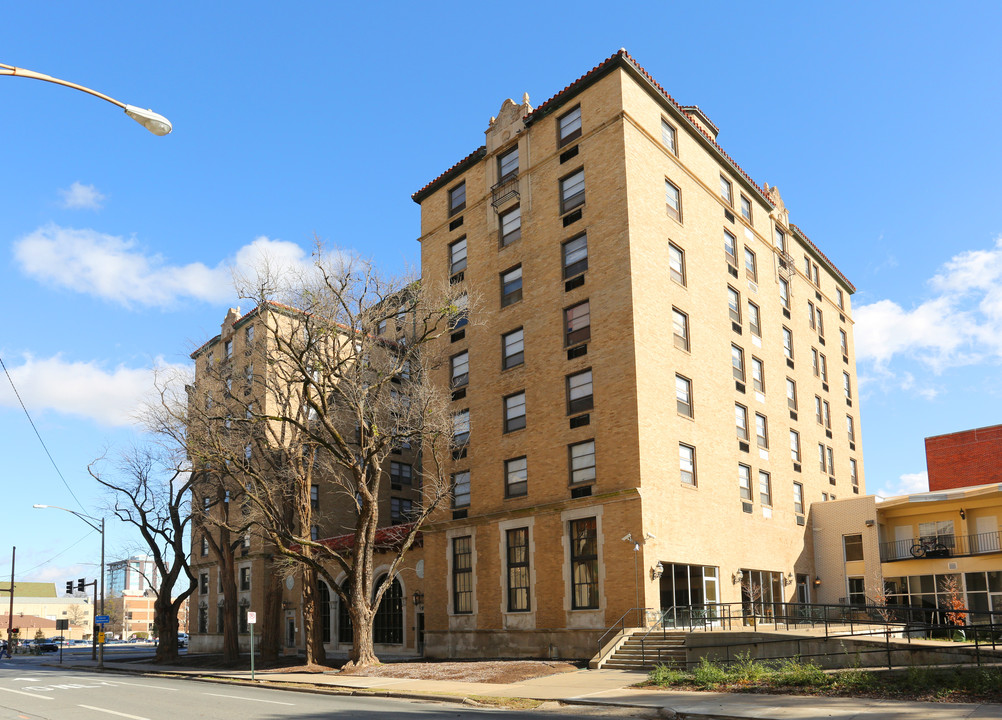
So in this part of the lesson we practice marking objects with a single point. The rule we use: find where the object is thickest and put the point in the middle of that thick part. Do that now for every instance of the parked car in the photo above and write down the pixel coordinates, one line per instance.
(182, 640)
(46, 646)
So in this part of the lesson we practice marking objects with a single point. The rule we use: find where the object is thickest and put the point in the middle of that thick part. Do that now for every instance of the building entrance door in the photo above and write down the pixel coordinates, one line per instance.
(690, 593)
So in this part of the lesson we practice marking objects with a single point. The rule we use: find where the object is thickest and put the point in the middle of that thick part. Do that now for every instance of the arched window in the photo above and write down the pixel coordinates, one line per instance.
(388, 625)
(344, 633)
(324, 597)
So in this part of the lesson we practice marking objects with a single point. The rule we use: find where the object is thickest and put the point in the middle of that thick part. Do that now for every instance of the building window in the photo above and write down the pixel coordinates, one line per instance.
(572, 191)
(457, 256)
(400, 473)
(758, 374)
(820, 321)
(746, 207)
(518, 569)
(680, 329)
(511, 225)
(726, 192)
(400, 510)
(676, 263)
(744, 482)
(683, 396)
(816, 278)
(847, 386)
(730, 249)
(575, 256)
(569, 127)
(827, 409)
(249, 335)
(579, 392)
(461, 316)
(791, 394)
(830, 454)
(844, 342)
(673, 200)
(754, 319)
(669, 136)
(795, 446)
(738, 363)
(853, 477)
(818, 412)
(741, 421)
(314, 532)
(853, 546)
(514, 412)
(508, 164)
(687, 464)
(850, 427)
(577, 324)
(315, 496)
(582, 462)
(516, 477)
(245, 578)
(203, 619)
(857, 591)
(821, 457)
(784, 293)
(815, 365)
(227, 349)
(734, 304)
(388, 623)
(511, 286)
(761, 431)
(203, 583)
(457, 198)
(840, 298)
(810, 314)
(823, 366)
(460, 428)
(461, 489)
(764, 488)
(460, 369)
(798, 498)
(462, 575)
(788, 343)
(512, 349)
(780, 240)
(584, 563)
(751, 266)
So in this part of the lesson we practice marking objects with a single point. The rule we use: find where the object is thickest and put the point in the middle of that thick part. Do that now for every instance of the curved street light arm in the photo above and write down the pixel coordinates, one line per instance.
(154, 122)
(86, 518)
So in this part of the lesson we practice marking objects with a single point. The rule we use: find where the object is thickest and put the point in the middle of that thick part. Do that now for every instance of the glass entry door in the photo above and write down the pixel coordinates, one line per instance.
(690, 592)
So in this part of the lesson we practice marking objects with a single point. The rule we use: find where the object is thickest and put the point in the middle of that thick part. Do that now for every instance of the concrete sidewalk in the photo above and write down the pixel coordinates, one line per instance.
(597, 688)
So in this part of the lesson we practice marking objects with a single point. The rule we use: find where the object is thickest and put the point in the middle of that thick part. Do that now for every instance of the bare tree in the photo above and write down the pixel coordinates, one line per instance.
(346, 382)
(76, 615)
(150, 490)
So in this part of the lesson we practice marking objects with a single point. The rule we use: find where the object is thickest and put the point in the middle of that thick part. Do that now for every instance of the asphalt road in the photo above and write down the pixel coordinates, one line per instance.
(31, 691)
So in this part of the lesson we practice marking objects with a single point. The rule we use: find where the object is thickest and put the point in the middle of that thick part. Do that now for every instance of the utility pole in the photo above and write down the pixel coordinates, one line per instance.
(10, 612)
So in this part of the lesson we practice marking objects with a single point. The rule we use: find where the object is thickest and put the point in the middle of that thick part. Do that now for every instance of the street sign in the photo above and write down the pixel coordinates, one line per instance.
(251, 618)
(102, 619)
(100, 638)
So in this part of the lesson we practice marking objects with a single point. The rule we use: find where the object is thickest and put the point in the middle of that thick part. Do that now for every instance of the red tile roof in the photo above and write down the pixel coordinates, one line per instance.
(469, 159)
(829, 263)
(387, 538)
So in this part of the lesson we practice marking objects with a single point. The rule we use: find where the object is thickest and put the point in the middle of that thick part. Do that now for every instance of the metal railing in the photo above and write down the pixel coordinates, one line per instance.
(640, 616)
(504, 190)
(933, 546)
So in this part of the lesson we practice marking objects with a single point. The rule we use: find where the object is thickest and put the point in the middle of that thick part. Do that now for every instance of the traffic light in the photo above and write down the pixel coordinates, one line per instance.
(69, 588)
(80, 584)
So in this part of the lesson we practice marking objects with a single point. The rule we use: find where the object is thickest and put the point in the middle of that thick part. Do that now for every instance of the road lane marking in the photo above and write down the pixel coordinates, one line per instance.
(132, 684)
(29, 694)
(237, 697)
(113, 712)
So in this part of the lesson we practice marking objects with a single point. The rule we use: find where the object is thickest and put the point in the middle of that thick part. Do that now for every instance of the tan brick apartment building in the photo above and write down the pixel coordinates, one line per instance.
(661, 381)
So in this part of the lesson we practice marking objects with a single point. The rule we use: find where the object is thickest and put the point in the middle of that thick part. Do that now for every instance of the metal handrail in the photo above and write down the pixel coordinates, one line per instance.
(620, 626)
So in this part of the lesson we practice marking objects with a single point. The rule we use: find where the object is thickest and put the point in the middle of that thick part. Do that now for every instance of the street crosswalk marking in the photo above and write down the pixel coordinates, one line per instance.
(29, 694)
(237, 697)
(114, 712)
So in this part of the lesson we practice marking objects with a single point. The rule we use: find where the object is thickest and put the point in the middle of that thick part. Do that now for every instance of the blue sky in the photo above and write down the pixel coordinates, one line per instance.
(877, 121)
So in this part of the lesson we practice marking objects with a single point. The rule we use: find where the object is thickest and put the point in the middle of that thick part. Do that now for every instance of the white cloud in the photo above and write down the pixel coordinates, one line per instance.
(112, 397)
(960, 324)
(117, 269)
(907, 484)
(80, 196)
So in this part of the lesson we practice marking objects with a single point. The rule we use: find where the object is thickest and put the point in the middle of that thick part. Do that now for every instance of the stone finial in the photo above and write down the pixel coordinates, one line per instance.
(525, 98)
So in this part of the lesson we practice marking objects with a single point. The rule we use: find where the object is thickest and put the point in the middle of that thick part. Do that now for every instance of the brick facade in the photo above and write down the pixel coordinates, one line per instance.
(964, 459)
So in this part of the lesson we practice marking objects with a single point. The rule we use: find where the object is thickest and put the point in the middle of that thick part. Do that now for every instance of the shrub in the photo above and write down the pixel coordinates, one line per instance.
(666, 676)
(708, 674)
(801, 674)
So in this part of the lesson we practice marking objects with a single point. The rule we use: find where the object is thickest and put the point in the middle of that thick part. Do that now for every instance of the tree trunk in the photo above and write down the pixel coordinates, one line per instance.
(310, 615)
(362, 652)
(165, 620)
(271, 625)
(227, 570)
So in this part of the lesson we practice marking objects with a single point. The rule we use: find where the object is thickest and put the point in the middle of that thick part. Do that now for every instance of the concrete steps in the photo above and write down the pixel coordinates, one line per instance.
(639, 653)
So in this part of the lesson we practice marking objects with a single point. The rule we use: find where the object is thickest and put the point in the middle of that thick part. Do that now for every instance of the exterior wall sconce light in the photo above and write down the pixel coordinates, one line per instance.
(657, 571)
(418, 598)
(788, 579)
(817, 581)
(737, 577)
(963, 515)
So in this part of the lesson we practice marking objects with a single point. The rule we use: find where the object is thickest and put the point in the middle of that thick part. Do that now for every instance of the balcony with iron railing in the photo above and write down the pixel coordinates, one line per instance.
(940, 546)
(504, 190)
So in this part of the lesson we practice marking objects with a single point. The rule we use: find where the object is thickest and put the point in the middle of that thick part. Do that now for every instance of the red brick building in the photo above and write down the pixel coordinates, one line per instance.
(964, 459)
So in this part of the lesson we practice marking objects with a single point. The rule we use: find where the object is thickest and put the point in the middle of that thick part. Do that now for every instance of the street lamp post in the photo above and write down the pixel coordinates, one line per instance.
(154, 122)
(100, 528)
